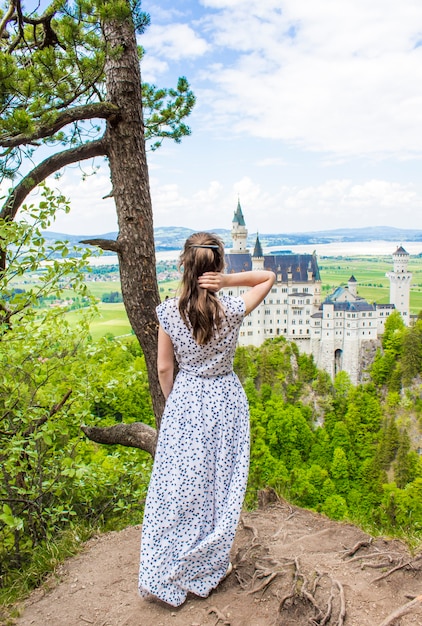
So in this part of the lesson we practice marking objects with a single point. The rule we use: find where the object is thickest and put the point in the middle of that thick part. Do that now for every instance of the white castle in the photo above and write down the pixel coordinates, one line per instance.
(338, 331)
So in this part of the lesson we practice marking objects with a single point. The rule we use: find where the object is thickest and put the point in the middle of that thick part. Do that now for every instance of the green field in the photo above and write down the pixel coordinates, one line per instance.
(370, 273)
(112, 318)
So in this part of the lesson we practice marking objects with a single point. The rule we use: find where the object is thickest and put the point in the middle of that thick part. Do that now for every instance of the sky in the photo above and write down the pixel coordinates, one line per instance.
(308, 111)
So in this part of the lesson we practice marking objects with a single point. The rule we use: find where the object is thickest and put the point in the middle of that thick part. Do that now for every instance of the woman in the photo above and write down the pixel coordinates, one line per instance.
(201, 466)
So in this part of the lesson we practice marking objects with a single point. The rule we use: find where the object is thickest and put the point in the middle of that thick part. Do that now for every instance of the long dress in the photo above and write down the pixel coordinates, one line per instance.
(201, 465)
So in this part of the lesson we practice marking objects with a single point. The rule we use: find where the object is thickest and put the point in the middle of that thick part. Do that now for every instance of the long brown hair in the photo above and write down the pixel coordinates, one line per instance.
(201, 309)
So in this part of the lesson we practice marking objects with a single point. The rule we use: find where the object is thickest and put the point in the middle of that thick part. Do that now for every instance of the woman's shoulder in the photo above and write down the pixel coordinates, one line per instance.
(234, 304)
(167, 304)
(166, 311)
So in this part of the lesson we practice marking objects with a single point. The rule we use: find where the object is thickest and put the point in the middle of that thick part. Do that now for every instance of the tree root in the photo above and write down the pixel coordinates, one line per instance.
(360, 544)
(306, 591)
(402, 610)
(401, 565)
(220, 616)
(389, 555)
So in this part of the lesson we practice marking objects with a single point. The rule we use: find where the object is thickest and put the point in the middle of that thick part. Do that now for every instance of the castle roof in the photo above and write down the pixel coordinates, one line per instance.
(352, 279)
(238, 262)
(360, 305)
(238, 215)
(400, 250)
(257, 252)
(298, 265)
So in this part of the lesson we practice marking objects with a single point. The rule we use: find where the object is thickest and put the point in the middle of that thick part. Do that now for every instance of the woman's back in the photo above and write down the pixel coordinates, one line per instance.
(213, 358)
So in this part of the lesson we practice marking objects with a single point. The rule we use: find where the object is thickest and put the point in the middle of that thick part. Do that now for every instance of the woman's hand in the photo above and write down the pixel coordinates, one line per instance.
(212, 281)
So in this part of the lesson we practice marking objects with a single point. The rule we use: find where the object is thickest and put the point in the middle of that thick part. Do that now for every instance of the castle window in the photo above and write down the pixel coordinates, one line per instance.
(230, 293)
(293, 301)
(278, 301)
(284, 290)
(293, 331)
(278, 312)
(308, 301)
(307, 331)
(274, 290)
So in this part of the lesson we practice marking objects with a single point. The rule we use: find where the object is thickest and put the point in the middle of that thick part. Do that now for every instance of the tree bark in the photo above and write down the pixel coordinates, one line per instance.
(135, 435)
(130, 180)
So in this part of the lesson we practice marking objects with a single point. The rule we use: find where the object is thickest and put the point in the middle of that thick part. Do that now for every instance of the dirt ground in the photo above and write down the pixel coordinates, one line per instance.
(291, 568)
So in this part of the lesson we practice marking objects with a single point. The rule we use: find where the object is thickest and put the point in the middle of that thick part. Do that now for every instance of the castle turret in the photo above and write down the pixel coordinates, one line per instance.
(258, 256)
(400, 283)
(352, 286)
(239, 231)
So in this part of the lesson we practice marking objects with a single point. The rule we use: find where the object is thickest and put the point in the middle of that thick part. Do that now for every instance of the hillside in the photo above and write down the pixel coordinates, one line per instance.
(173, 237)
(291, 568)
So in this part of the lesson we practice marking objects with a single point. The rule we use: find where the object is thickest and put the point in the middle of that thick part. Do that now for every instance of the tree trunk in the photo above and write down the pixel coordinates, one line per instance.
(130, 180)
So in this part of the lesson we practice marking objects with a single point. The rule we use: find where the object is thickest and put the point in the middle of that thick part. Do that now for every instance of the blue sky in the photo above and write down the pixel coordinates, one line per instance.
(309, 111)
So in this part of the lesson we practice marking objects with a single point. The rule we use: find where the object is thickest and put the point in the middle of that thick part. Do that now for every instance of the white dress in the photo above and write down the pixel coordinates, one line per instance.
(201, 465)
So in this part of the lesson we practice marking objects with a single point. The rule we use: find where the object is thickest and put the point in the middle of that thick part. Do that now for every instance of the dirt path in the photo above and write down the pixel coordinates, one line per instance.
(290, 567)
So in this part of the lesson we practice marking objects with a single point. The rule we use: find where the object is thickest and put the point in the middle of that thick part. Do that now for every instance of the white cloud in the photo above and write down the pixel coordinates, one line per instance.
(175, 41)
(337, 203)
(341, 78)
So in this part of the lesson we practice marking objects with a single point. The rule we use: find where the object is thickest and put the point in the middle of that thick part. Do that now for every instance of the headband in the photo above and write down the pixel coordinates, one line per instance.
(197, 245)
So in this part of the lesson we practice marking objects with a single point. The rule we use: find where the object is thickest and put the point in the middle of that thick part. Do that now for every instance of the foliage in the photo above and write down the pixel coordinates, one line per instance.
(53, 378)
(338, 466)
(58, 98)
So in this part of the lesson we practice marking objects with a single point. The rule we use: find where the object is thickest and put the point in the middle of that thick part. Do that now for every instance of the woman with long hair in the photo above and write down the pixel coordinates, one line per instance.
(201, 465)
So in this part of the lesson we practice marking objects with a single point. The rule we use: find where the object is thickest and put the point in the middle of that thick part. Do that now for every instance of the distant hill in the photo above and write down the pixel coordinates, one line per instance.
(173, 237)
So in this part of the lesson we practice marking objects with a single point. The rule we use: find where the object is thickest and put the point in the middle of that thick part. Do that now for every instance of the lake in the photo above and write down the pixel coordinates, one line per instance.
(338, 248)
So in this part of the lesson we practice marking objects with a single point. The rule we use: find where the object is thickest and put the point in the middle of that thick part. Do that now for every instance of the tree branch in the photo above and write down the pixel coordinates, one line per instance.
(7, 16)
(104, 110)
(104, 244)
(135, 435)
(46, 168)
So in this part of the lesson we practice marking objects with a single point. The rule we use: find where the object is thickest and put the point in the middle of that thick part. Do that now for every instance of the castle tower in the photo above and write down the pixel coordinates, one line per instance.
(400, 283)
(352, 286)
(258, 255)
(239, 232)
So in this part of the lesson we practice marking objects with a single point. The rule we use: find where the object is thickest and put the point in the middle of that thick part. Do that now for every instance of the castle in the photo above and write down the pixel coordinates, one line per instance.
(337, 331)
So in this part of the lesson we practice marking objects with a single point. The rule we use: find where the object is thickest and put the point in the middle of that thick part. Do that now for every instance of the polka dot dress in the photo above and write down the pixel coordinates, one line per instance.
(201, 466)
